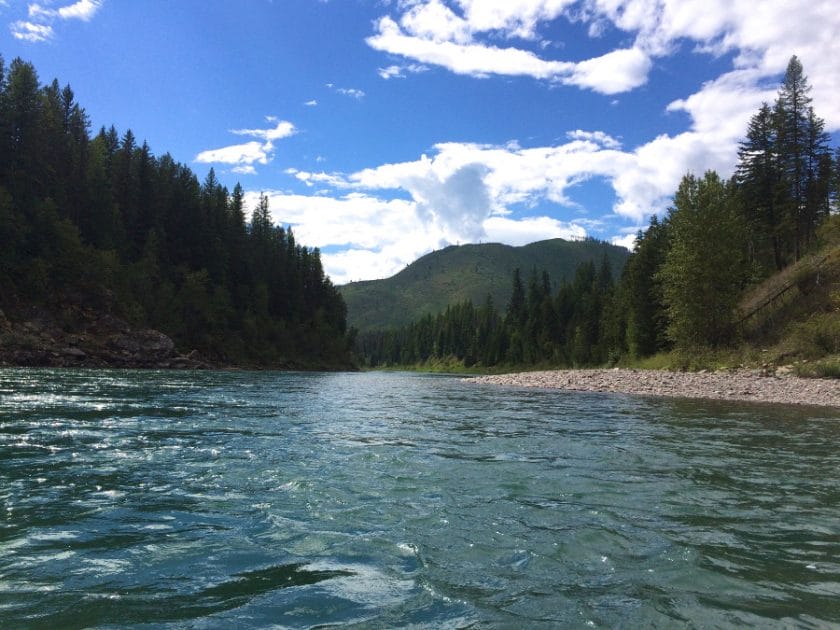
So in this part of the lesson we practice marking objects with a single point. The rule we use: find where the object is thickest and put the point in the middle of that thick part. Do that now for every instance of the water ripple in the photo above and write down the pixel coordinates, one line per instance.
(383, 500)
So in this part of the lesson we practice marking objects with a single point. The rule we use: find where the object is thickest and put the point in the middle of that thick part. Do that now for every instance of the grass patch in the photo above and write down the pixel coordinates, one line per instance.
(825, 368)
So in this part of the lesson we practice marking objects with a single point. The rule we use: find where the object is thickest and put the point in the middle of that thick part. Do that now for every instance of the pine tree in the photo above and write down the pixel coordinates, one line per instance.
(646, 314)
(759, 177)
(705, 267)
(802, 143)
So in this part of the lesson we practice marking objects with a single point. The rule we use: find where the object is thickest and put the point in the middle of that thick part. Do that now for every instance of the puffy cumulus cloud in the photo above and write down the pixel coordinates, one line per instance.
(628, 241)
(762, 36)
(514, 18)
(466, 192)
(458, 204)
(365, 236)
(243, 157)
(375, 221)
(83, 10)
(435, 21)
(496, 177)
(612, 73)
(598, 137)
(530, 229)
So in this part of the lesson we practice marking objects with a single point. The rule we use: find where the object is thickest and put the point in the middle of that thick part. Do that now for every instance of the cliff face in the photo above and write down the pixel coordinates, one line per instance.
(81, 337)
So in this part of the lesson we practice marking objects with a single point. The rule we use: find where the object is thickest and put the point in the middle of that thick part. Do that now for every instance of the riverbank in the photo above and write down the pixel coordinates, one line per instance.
(80, 337)
(741, 385)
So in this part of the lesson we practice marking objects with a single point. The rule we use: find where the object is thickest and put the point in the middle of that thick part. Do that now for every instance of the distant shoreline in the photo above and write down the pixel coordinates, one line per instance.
(741, 385)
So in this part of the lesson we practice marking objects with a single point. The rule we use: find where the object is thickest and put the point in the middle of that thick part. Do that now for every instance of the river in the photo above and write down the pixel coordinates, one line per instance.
(379, 500)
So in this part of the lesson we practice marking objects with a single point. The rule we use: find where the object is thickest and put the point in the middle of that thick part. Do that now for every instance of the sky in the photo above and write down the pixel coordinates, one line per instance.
(382, 130)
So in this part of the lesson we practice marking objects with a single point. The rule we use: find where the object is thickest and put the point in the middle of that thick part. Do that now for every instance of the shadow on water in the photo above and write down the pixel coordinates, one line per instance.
(143, 606)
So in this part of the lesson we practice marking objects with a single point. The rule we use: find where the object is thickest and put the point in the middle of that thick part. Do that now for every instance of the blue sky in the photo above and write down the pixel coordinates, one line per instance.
(382, 130)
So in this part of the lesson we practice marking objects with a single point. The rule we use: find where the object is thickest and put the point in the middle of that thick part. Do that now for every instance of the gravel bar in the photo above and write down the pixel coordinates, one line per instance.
(744, 385)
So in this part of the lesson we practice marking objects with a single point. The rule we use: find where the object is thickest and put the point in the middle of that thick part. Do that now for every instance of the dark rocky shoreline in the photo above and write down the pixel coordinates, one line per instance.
(86, 339)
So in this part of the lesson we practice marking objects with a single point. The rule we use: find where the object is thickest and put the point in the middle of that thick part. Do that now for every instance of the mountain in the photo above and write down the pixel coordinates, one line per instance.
(467, 272)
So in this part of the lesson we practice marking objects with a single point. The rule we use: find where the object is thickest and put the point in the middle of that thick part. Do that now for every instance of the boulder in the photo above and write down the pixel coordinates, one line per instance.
(144, 345)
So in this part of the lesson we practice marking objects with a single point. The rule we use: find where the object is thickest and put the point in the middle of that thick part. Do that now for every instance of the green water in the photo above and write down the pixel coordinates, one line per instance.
(236, 499)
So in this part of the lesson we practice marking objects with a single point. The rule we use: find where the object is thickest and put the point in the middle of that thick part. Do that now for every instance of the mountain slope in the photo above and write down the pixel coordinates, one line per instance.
(463, 272)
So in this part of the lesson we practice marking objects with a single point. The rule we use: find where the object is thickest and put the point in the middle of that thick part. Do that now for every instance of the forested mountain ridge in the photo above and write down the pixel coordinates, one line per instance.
(466, 272)
(104, 244)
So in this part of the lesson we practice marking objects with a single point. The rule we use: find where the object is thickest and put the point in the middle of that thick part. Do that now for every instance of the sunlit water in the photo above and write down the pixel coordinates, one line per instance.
(241, 499)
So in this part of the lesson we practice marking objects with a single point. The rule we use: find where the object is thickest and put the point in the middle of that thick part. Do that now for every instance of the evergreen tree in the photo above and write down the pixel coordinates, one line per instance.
(802, 143)
(759, 177)
(646, 312)
(705, 267)
(103, 223)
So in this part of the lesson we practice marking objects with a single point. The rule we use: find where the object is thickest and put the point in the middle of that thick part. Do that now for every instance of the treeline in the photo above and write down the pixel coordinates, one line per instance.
(572, 326)
(102, 223)
(681, 284)
(689, 270)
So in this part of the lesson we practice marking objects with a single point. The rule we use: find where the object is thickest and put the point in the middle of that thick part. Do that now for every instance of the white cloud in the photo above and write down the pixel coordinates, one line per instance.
(530, 229)
(435, 21)
(351, 92)
(284, 129)
(399, 72)
(244, 169)
(612, 73)
(391, 72)
(82, 10)
(311, 103)
(39, 26)
(31, 32)
(243, 156)
(628, 241)
(247, 153)
(332, 180)
(598, 137)
(466, 192)
(458, 37)
(378, 219)
(370, 237)
(464, 58)
(514, 18)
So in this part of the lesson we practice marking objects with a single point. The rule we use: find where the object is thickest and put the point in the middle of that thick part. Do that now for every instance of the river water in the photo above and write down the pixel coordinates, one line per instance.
(377, 500)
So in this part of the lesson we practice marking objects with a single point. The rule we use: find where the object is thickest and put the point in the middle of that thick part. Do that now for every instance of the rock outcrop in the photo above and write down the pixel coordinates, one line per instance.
(81, 337)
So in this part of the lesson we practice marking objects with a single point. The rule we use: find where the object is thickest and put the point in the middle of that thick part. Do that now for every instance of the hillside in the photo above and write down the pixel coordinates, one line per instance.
(466, 272)
(793, 317)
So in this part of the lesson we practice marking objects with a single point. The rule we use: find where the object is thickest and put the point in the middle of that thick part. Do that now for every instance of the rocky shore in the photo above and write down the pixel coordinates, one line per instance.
(81, 337)
(743, 385)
